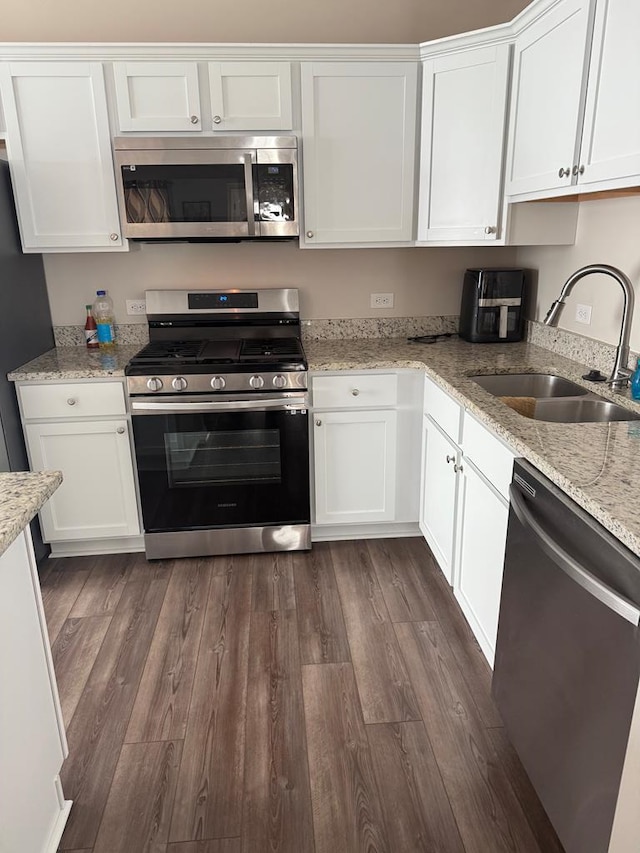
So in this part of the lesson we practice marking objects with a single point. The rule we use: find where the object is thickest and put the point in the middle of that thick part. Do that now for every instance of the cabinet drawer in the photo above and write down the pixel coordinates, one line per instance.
(72, 400)
(487, 452)
(355, 391)
(444, 411)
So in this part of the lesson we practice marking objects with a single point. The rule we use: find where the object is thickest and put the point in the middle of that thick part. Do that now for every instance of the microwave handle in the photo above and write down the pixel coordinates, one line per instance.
(248, 183)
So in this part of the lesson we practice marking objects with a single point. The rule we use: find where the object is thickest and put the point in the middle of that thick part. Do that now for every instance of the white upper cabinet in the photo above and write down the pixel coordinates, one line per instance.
(250, 95)
(59, 151)
(611, 137)
(359, 148)
(464, 97)
(547, 97)
(157, 96)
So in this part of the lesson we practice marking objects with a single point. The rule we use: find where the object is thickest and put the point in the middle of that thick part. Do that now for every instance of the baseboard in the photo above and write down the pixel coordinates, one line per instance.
(58, 828)
(94, 547)
(381, 530)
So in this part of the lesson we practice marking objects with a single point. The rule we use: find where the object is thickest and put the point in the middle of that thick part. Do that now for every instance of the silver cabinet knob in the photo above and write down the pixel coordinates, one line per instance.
(194, 119)
(256, 382)
(318, 422)
(450, 459)
(578, 170)
(355, 392)
(154, 384)
(457, 468)
(309, 234)
(279, 381)
(179, 383)
(490, 229)
(71, 401)
(218, 383)
(114, 237)
(564, 173)
(217, 119)
(120, 430)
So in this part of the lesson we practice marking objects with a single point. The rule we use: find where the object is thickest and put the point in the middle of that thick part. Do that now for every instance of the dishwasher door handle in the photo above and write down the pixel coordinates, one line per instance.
(611, 599)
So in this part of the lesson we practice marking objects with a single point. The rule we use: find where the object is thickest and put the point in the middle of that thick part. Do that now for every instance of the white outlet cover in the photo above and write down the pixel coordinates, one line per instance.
(382, 300)
(583, 314)
(136, 306)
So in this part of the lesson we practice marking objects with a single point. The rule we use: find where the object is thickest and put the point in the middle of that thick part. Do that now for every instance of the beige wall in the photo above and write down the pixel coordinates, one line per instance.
(315, 21)
(332, 282)
(608, 232)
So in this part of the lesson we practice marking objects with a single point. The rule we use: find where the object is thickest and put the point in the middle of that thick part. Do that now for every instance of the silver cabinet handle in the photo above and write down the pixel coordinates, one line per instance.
(318, 422)
(113, 236)
(248, 180)
(120, 430)
(566, 563)
(194, 119)
(217, 119)
(564, 173)
(71, 401)
(355, 392)
(450, 459)
(490, 229)
(309, 234)
(457, 468)
(578, 170)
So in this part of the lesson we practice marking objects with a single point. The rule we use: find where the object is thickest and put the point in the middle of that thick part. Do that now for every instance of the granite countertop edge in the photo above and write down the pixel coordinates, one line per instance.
(22, 494)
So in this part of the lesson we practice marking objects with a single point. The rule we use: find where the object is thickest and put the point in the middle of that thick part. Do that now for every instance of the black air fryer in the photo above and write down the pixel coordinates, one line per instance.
(492, 306)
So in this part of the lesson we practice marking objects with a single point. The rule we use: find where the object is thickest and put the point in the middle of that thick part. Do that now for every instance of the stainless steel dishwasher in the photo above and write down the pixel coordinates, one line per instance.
(567, 666)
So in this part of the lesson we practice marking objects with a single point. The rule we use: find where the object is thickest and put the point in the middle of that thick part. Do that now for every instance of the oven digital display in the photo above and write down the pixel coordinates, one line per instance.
(207, 301)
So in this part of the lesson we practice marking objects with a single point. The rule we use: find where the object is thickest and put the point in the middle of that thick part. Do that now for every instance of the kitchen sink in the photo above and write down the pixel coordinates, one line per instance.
(528, 385)
(581, 410)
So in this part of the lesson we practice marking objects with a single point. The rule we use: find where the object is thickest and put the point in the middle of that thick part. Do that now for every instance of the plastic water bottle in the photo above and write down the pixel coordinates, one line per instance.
(635, 382)
(104, 317)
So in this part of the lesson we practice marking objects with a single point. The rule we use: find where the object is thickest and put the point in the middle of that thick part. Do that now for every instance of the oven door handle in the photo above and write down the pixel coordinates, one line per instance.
(144, 407)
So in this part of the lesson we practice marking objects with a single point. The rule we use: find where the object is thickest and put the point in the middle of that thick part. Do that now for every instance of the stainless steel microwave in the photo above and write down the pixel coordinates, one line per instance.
(210, 188)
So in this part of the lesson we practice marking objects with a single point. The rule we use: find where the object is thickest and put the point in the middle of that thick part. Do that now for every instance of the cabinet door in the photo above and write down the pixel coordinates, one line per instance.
(358, 127)
(97, 497)
(32, 741)
(157, 96)
(355, 466)
(482, 540)
(464, 99)
(547, 99)
(611, 137)
(439, 495)
(250, 95)
(59, 149)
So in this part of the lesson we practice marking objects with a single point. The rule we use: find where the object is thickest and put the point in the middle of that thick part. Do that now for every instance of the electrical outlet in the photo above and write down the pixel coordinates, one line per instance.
(583, 314)
(382, 300)
(136, 306)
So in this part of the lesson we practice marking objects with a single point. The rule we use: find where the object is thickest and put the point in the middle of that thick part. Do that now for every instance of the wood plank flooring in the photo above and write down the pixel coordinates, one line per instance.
(325, 702)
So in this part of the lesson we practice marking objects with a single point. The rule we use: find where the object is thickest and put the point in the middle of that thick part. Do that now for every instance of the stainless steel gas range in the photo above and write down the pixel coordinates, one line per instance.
(219, 406)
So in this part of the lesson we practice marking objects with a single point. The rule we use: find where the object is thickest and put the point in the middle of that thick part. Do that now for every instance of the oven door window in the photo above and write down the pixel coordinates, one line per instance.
(212, 458)
(228, 469)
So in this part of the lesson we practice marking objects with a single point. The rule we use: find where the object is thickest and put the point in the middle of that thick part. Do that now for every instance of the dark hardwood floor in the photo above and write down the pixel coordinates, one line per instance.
(325, 702)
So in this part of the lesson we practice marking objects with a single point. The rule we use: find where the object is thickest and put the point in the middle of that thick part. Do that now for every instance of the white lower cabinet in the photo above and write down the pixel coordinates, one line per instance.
(33, 745)
(482, 525)
(355, 460)
(439, 494)
(97, 498)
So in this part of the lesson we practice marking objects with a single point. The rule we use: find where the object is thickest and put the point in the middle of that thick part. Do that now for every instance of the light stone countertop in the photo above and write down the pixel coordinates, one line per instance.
(596, 464)
(21, 496)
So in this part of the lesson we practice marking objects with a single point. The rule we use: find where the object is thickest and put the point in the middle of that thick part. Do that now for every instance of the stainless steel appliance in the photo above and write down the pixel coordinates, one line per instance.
(219, 407)
(567, 665)
(492, 307)
(210, 188)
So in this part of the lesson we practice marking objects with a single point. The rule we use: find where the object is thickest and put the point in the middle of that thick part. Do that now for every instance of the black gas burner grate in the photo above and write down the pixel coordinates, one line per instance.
(170, 351)
(274, 348)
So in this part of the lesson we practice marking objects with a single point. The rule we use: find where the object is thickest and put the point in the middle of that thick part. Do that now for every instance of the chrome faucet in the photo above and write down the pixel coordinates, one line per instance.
(620, 374)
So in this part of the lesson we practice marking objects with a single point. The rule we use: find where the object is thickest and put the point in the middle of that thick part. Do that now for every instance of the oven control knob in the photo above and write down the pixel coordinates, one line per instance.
(218, 383)
(179, 383)
(279, 381)
(154, 384)
(256, 382)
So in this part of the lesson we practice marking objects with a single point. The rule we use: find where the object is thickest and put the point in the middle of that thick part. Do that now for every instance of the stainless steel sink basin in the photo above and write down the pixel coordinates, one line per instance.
(581, 410)
(528, 385)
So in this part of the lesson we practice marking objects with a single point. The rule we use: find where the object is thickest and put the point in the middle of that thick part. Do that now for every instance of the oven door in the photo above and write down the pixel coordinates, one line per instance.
(222, 463)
